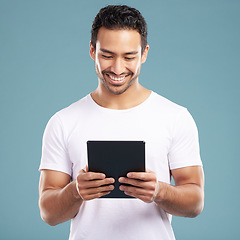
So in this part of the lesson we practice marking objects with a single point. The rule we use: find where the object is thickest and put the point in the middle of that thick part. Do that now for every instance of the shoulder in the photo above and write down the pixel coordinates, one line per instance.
(177, 117)
(69, 116)
(75, 107)
(166, 106)
(73, 111)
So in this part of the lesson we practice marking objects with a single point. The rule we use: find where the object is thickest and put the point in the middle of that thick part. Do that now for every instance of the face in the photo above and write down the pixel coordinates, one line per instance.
(118, 59)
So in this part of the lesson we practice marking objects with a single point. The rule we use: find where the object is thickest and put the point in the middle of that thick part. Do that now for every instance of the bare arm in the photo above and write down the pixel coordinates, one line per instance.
(60, 199)
(185, 199)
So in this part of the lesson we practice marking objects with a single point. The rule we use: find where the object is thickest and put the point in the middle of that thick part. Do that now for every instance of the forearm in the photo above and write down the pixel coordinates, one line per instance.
(185, 200)
(59, 205)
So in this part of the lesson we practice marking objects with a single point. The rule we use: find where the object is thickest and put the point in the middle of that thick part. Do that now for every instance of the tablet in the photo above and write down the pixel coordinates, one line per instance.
(115, 159)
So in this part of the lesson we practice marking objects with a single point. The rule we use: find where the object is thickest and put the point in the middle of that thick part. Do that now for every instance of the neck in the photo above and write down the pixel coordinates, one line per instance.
(133, 96)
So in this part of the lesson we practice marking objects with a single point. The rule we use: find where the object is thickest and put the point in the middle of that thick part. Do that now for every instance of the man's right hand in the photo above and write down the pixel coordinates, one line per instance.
(92, 185)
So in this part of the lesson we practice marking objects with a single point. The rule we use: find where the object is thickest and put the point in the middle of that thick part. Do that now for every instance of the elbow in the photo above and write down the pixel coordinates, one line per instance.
(197, 210)
(46, 216)
(195, 213)
(199, 205)
(48, 220)
(200, 208)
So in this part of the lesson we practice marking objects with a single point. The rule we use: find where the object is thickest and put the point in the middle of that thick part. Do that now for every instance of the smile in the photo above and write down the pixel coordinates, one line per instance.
(114, 78)
(117, 79)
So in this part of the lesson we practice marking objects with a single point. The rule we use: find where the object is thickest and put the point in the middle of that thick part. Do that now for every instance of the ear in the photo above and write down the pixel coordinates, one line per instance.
(92, 51)
(144, 55)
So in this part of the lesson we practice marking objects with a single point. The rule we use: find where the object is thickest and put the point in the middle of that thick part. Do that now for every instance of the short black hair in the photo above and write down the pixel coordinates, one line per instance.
(117, 17)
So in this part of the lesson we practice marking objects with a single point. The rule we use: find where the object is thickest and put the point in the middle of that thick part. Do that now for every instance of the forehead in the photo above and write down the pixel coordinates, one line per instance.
(122, 40)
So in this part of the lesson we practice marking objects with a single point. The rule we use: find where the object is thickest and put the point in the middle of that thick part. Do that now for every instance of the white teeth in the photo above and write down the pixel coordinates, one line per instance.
(116, 79)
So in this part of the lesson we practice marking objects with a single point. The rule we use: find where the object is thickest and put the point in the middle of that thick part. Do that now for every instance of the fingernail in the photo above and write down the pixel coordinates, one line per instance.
(129, 175)
(111, 180)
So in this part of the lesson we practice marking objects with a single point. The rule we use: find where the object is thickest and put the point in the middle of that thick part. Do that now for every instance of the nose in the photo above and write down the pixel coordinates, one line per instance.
(118, 66)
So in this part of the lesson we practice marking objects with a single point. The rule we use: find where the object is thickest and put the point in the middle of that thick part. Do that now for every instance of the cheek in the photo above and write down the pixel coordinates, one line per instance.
(134, 67)
(102, 65)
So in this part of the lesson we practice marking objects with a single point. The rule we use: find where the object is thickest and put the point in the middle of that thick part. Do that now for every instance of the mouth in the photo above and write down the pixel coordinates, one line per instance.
(115, 79)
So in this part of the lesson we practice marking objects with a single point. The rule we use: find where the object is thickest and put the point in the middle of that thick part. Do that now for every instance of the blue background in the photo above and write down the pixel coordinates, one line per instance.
(45, 66)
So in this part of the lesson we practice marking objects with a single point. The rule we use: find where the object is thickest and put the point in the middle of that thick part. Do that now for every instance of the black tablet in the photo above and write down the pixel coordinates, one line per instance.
(115, 159)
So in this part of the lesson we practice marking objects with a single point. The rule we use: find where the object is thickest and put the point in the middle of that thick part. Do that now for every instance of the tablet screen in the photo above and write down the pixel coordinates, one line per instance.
(115, 159)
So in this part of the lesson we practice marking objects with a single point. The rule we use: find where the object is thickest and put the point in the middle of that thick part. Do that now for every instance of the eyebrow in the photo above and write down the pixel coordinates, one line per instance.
(110, 52)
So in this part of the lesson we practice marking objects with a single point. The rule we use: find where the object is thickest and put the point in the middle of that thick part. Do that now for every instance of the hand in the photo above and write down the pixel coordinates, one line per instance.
(92, 185)
(144, 185)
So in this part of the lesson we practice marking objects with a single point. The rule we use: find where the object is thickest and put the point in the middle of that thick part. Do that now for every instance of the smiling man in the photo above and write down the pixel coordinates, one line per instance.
(118, 59)
(121, 109)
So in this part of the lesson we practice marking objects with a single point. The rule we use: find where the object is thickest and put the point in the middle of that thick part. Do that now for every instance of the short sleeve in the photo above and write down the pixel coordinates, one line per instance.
(54, 152)
(184, 150)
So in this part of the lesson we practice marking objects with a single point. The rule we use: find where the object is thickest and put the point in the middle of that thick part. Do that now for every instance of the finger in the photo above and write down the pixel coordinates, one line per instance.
(87, 176)
(90, 175)
(96, 190)
(87, 194)
(137, 190)
(138, 183)
(140, 195)
(96, 183)
(146, 191)
(144, 176)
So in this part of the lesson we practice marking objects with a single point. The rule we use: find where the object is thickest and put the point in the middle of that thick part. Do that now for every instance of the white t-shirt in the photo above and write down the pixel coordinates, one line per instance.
(171, 139)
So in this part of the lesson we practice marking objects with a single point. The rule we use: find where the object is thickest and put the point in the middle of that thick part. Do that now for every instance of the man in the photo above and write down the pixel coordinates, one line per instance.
(121, 109)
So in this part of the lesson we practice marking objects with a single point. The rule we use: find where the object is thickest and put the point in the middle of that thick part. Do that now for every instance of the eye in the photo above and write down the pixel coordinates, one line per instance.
(129, 58)
(107, 57)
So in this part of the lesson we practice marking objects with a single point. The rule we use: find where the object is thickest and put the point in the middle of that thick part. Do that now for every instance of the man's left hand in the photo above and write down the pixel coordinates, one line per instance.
(144, 185)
